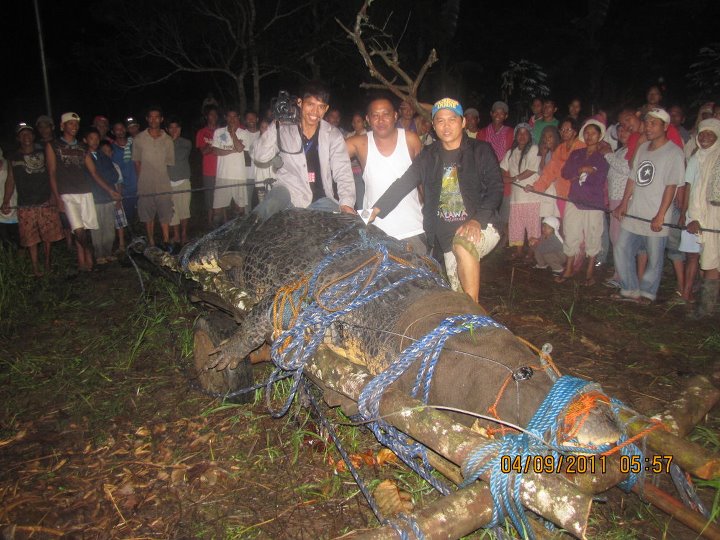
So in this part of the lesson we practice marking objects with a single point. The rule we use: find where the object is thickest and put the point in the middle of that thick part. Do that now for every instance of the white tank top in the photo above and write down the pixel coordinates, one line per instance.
(380, 172)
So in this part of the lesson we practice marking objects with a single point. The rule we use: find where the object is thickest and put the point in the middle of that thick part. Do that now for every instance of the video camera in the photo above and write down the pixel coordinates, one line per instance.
(285, 108)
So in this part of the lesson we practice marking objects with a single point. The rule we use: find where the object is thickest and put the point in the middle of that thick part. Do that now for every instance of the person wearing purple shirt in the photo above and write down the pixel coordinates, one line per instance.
(587, 171)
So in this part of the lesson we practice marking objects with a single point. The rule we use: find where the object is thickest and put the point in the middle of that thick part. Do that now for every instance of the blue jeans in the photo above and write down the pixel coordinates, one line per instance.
(625, 253)
(278, 199)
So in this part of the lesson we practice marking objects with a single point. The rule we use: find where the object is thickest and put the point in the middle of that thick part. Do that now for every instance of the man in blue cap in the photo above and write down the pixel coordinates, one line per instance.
(463, 190)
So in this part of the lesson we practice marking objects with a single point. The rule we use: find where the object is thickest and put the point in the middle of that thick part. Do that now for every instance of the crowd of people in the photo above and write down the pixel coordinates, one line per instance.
(561, 193)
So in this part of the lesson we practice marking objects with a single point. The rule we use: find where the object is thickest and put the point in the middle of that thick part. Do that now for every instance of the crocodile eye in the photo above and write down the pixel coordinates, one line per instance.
(523, 373)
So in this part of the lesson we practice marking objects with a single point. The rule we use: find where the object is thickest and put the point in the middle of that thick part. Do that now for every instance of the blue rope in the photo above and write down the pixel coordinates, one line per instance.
(369, 400)
(296, 345)
(540, 441)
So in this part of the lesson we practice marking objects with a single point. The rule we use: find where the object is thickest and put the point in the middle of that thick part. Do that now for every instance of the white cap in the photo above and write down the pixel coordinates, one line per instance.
(660, 114)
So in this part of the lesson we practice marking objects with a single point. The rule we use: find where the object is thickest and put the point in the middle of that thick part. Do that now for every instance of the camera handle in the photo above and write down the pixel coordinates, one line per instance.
(279, 143)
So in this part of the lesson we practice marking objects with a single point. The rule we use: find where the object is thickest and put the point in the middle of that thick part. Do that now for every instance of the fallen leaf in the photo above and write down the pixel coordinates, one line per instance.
(391, 500)
(126, 489)
(209, 477)
(594, 347)
(201, 440)
(385, 455)
(177, 476)
(196, 471)
(142, 431)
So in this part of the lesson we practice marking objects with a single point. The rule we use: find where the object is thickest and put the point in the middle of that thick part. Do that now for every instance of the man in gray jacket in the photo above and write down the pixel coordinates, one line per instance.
(315, 171)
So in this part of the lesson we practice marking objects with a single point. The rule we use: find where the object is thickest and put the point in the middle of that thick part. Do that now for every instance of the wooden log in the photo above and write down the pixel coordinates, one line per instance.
(674, 507)
(548, 495)
(453, 516)
(691, 457)
(698, 397)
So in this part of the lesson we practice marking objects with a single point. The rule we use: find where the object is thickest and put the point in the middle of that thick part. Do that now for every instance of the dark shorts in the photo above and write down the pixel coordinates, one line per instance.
(39, 224)
(209, 186)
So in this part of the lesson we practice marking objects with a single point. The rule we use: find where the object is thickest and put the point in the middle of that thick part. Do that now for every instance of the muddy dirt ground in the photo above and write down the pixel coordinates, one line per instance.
(103, 434)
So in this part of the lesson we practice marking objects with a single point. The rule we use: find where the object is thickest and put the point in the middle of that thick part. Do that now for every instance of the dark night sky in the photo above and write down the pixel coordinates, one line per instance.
(639, 42)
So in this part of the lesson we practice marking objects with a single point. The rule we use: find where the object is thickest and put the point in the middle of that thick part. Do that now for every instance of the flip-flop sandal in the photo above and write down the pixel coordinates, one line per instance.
(620, 298)
(562, 279)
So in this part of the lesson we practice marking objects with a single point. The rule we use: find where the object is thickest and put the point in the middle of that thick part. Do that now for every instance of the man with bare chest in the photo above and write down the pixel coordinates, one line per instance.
(385, 153)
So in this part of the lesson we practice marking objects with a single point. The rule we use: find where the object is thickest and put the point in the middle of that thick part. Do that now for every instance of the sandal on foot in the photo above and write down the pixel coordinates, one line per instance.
(622, 298)
(562, 279)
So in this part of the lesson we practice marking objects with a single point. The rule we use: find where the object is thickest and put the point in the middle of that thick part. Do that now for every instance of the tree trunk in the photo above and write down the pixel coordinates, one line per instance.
(241, 94)
(254, 62)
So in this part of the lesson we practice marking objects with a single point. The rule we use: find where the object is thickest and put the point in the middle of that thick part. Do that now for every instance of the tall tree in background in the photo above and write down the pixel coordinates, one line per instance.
(704, 73)
(520, 83)
(237, 43)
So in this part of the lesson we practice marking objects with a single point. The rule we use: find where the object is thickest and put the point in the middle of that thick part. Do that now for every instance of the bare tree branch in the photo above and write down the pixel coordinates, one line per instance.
(389, 55)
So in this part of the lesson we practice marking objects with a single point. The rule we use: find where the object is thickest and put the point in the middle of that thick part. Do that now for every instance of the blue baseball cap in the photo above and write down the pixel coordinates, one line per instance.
(447, 103)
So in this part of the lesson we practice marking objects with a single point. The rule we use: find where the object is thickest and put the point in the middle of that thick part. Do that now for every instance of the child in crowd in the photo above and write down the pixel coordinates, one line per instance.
(549, 247)
(618, 173)
(549, 141)
(180, 182)
(519, 168)
(587, 171)
(104, 236)
(106, 147)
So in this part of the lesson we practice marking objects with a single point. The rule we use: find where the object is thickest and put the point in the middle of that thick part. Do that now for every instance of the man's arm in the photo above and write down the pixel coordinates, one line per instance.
(489, 173)
(137, 157)
(341, 171)
(357, 148)
(202, 144)
(266, 147)
(90, 165)
(51, 164)
(217, 148)
(414, 144)
(621, 209)
(667, 198)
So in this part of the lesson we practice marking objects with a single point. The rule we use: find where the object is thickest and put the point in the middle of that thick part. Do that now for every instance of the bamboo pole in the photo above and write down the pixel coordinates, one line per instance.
(548, 495)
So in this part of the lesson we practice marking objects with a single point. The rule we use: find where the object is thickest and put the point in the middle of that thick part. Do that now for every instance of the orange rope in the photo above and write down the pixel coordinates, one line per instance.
(284, 300)
(541, 354)
(578, 412)
(655, 424)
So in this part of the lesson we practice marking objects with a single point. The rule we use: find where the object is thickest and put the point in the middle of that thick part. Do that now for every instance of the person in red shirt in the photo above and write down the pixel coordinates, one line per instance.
(500, 137)
(203, 142)
(635, 125)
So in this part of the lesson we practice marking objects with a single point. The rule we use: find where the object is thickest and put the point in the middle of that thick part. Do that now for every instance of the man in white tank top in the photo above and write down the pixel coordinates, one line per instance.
(385, 153)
